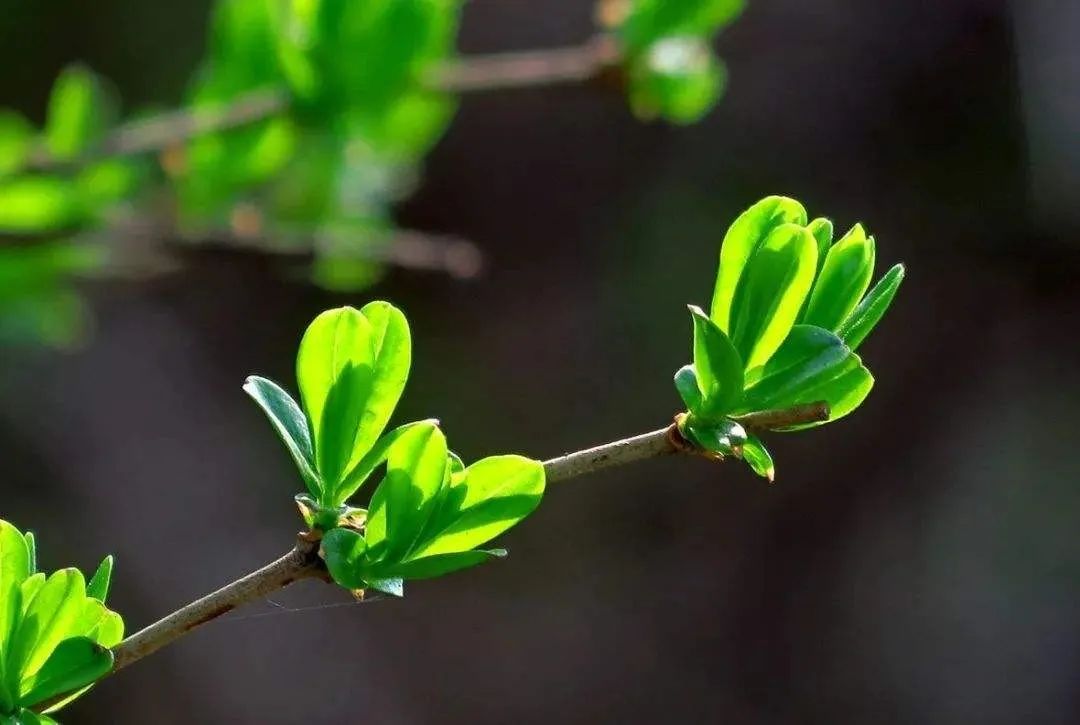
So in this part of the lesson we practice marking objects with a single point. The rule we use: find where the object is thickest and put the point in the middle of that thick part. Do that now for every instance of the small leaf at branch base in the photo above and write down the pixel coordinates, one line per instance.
(343, 551)
(687, 385)
(73, 664)
(757, 456)
(722, 437)
(717, 365)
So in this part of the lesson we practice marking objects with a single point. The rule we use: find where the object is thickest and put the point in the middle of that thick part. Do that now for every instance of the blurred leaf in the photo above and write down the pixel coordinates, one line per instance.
(843, 280)
(717, 366)
(740, 242)
(16, 139)
(812, 365)
(80, 111)
(98, 588)
(679, 79)
(861, 322)
(291, 425)
(757, 456)
(107, 182)
(649, 20)
(35, 302)
(39, 205)
(776, 281)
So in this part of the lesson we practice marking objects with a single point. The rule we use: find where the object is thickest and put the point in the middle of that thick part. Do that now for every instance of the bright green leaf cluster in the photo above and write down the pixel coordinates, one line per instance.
(789, 309)
(429, 512)
(672, 70)
(55, 631)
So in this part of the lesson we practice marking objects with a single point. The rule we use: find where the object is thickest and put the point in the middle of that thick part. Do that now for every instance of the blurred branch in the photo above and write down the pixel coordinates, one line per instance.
(497, 71)
(304, 562)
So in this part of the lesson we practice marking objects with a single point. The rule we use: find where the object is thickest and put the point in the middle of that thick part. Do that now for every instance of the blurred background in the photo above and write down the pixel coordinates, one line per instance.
(916, 563)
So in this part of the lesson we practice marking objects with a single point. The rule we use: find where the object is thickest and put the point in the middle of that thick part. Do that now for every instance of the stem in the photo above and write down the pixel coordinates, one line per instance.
(300, 563)
(496, 71)
(303, 561)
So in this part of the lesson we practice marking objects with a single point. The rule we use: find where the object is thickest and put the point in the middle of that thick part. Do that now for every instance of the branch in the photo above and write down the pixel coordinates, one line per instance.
(497, 71)
(666, 441)
(303, 562)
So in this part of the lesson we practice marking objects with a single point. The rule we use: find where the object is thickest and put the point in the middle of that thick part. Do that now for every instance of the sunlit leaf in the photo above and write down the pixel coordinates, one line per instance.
(862, 320)
(16, 139)
(718, 367)
(678, 79)
(758, 457)
(72, 665)
(648, 20)
(291, 425)
(39, 205)
(98, 587)
(80, 111)
(843, 280)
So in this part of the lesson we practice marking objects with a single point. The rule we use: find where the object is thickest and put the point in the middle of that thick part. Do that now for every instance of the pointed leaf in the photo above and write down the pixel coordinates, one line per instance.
(374, 458)
(743, 238)
(758, 457)
(843, 280)
(16, 139)
(822, 231)
(14, 570)
(290, 424)
(428, 567)
(717, 366)
(771, 292)
(74, 664)
(490, 497)
(98, 588)
(722, 437)
(80, 110)
(31, 548)
(861, 322)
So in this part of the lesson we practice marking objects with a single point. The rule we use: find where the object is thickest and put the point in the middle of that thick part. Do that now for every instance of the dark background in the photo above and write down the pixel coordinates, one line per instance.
(918, 562)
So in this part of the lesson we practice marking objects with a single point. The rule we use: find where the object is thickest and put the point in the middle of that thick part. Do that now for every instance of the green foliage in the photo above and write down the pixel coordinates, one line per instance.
(36, 302)
(55, 631)
(672, 71)
(81, 109)
(789, 308)
(430, 513)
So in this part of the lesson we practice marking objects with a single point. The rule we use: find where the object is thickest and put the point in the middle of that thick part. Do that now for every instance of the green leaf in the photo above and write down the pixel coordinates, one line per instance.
(405, 499)
(486, 499)
(80, 110)
(16, 139)
(861, 322)
(812, 365)
(843, 280)
(74, 664)
(343, 551)
(31, 547)
(822, 230)
(432, 566)
(722, 437)
(14, 570)
(648, 20)
(771, 292)
(290, 424)
(679, 79)
(39, 205)
(46, 621)
(98, 588)
(743, 238)
(689, 390)
(758, 457)
(352, 366)
(372, 460)
(718, 367)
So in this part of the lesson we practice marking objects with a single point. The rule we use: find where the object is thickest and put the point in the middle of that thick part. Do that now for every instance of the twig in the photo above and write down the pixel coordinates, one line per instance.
(300, 563)
(303, 561)
(666, 441)
(470, 74)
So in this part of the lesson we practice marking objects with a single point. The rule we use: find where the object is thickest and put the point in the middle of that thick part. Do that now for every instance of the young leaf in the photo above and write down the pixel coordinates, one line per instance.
(79, 112)
(861, 322)
(98, 588)
(374, 458)
(14, 569)
(290, 424)
(758, 457)
(742, 239)
(718, 367)
(351, 370)
(16, 138)
(679, 79)
(813, 364)
(844, 277)
(343, 551)
(488, 498)
(687, 384)
(432, 566)
(822, 231)
(47, 620)
(404, 500)
(771, 292)
(31, 548)
(722, 437)
(74, 664)
(648, 20)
